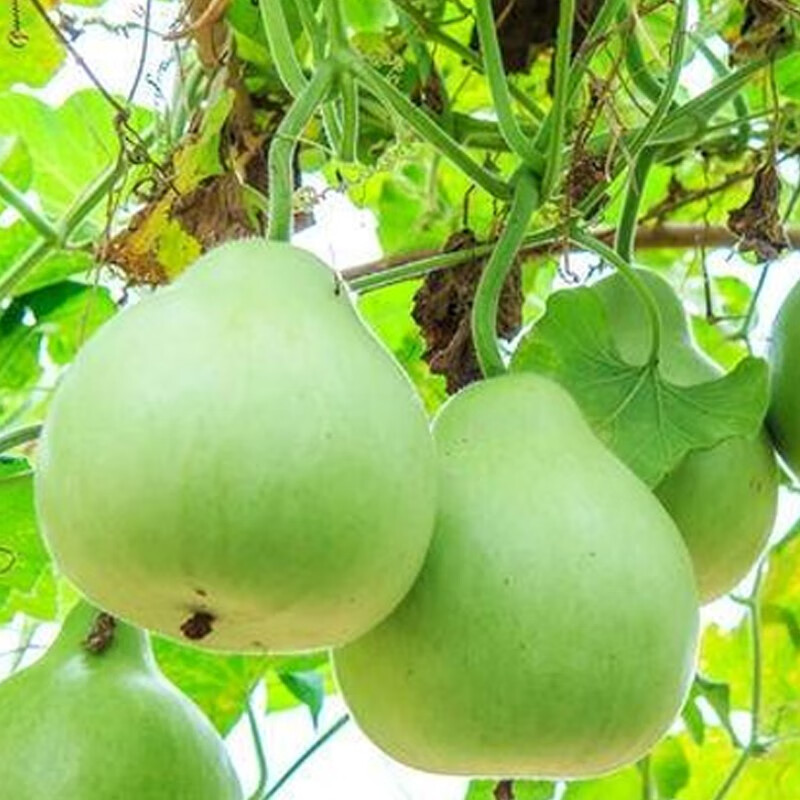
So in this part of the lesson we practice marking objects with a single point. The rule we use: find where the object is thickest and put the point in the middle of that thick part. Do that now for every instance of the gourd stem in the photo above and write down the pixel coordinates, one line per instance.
(422, 124)
(282, 148)
(626, 231)
(281, 46)
(498, 86)
(261, 756)
(589, 242)
(487, 297)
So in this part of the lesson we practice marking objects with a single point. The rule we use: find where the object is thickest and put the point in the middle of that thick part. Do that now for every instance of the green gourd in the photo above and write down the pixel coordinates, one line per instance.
(553, 629)
(94, 719)
(237, 460)
(784, 413)
(724, 498)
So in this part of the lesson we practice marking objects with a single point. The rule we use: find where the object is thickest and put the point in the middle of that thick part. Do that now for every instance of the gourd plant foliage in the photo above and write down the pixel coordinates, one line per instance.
(491, 140)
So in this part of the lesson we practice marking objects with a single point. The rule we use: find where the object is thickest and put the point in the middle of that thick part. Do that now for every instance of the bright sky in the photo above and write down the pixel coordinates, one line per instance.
(348, 767)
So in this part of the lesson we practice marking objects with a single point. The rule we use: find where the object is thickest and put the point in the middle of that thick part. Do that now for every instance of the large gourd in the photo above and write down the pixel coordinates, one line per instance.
(784, 414)
(237, 461)
(724, 498)
(94, 719)
(552, 631)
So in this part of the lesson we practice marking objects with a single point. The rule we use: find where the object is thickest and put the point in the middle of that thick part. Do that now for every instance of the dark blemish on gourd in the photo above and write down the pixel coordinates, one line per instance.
(101, 634)
(198, 626)
(201, 592)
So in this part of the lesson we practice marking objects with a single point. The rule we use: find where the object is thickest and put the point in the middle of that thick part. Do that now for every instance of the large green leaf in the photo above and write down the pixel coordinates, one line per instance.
(220, 685)
(648, 422)
(26, 578)
(62, 169)
(372, 17)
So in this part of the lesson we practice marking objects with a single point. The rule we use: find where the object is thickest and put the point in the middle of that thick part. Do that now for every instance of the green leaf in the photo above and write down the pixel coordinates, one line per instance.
(308, 688)
(670, 768)
(37, 61)
(523, 790)
(648, 422)
(220, 685)
(20, 370)
(27, 584)
(61, 168)
(370, 17)
(67, 314)
(624, 785)
(15, 162)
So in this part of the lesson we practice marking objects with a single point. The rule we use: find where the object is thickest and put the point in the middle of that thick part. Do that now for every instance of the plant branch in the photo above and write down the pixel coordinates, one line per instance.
(625, 240)
(408, 266)
(329, 734)
(487, 296)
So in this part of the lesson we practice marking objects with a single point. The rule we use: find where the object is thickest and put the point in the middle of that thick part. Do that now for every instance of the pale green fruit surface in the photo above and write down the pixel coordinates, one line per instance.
(784, 414)
(79, 725)
(724, 499)
(239, 445)
(553, 629)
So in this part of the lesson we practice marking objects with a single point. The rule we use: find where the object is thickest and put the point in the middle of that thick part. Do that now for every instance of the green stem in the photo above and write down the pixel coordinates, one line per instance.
(12, 439)
(281, 46)
(329, 734)
(372, 281)
(422, 124)
(626, 231)
(558, 114)
(645, 81)
(498, 86)
(721, 70)
(15, 199)
(490, 287)
(350, 117)
(589, 242)
(676, 54)
(434, 34)
(316, 35)
(261, 756)
(337, 29)
(282, 147)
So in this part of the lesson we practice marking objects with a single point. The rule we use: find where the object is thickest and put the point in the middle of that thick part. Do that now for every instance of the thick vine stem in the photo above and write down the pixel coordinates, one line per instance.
(316, 36)
(626, 231)
(281, 46)
(555, 142)
(260, 752)
(422, 124)
(281, 151)
(498, 86)
(589, 242)
(350, 117)
(487, 297)
(19, 436)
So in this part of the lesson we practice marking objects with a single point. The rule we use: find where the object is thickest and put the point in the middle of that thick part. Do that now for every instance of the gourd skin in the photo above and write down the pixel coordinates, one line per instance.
(553, 629)
(106, 726)
(240, 445)
(724, 499)
(784, 414)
